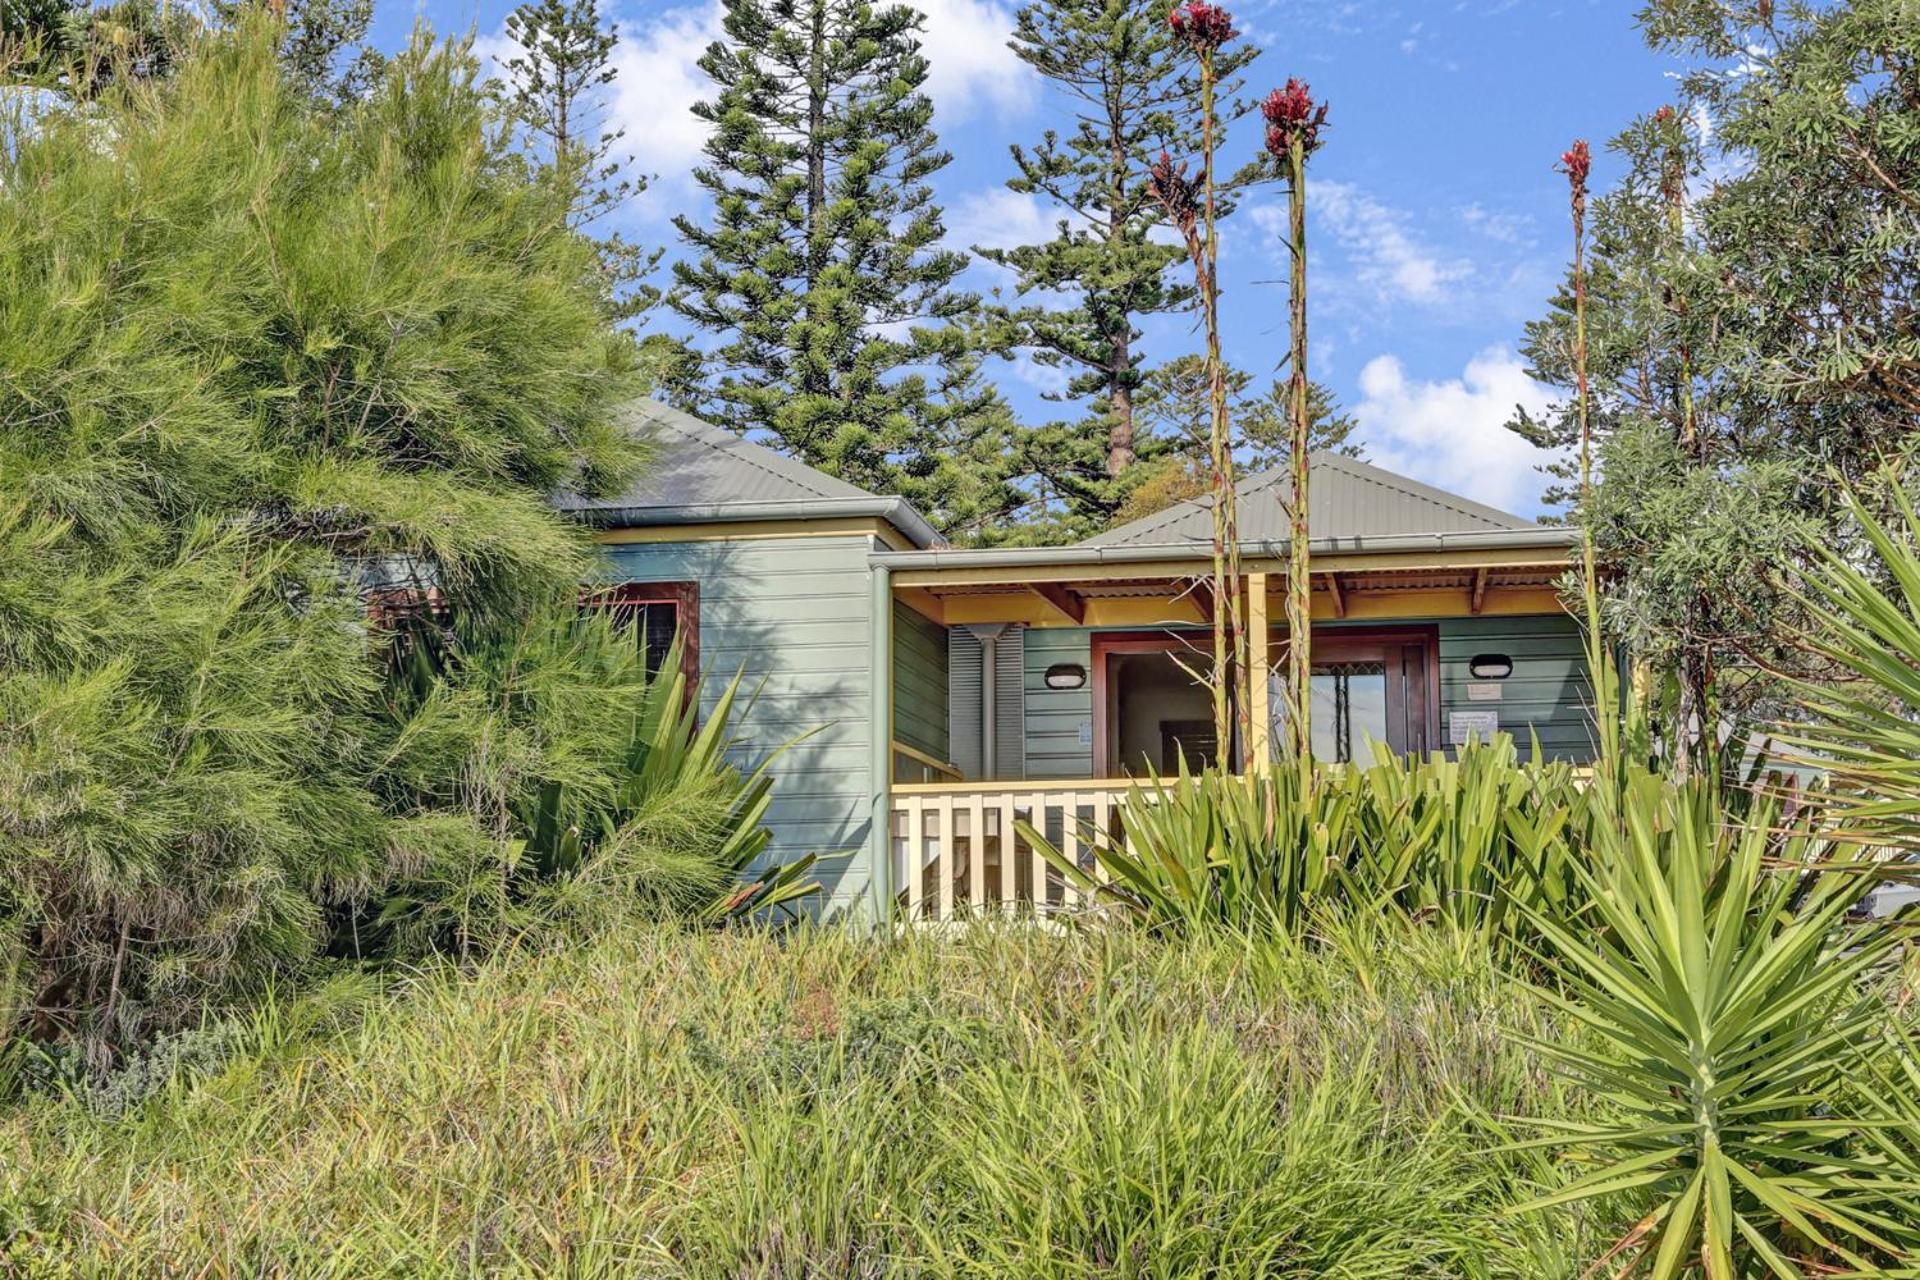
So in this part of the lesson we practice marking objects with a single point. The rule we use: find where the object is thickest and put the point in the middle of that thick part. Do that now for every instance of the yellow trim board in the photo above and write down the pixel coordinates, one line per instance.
(1399, 604)
(1200, 567)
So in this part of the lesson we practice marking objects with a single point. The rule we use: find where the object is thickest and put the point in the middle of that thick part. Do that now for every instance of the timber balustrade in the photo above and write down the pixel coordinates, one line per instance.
(957, 850)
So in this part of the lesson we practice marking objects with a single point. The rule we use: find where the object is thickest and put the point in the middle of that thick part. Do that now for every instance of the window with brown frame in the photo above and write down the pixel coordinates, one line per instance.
(656, 612)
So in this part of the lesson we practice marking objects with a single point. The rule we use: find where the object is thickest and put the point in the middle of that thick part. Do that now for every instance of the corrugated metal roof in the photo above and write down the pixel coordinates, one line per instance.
(1346, 499)
(696, 464)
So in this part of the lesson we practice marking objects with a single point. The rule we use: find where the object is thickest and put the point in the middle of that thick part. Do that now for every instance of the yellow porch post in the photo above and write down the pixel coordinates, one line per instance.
(1261, 713)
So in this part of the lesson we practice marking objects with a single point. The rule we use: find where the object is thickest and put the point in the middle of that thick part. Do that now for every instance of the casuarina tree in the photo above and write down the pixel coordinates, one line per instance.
(260, 367)
(819, 271)
(1751, 288)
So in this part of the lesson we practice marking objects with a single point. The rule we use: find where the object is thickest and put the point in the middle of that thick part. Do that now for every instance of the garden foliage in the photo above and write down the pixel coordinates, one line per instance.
(259, 369)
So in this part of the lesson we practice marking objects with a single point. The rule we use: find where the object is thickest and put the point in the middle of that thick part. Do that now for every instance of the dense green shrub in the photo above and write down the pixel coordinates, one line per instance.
(252, 361)
(551, 789)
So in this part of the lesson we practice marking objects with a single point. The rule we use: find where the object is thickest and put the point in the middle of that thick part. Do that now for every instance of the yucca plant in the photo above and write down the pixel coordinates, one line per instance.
(1725, 993)
(1863, 730)
(1214, 848)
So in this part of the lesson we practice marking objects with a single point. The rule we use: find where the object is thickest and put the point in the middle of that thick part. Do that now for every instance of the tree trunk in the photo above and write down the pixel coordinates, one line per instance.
(1120, 445)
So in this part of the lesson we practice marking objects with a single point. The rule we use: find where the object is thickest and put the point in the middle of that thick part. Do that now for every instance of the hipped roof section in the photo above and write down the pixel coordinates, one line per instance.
(699, 473)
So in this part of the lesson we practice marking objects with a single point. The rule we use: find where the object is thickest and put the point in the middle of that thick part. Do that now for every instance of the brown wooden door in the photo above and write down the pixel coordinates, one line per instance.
(1372, 686)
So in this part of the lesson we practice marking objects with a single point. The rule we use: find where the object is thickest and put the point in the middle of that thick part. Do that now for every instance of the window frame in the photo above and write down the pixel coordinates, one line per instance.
(684, 596)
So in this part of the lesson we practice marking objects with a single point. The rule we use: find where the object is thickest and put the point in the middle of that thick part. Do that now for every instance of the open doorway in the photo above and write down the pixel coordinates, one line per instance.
(1150, 708)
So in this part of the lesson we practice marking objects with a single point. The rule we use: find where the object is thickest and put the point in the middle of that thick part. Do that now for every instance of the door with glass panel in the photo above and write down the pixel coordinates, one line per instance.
(1367, 688)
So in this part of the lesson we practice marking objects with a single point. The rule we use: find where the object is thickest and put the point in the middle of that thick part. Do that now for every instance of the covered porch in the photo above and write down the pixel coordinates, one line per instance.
(1038, 686)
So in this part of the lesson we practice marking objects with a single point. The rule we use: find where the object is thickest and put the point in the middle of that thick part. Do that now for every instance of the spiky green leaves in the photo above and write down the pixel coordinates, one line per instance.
(1727, 999)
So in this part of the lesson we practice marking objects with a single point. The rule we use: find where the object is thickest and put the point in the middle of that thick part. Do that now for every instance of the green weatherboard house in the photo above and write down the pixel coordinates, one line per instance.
(949, 693)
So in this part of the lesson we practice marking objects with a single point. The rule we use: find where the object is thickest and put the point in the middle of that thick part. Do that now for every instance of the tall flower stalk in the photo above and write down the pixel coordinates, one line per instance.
(1293, 133)
(1192, 206)
(1577, 163)
(1698, 705)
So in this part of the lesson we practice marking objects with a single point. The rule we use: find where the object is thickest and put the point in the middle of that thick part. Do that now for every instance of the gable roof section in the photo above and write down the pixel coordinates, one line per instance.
(701, 473)
(1348, 499)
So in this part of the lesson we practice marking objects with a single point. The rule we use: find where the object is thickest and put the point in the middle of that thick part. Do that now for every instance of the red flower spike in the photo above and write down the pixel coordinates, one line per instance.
(1577, 163)
(1201, 26)
(1663, 115)
(1291, 114)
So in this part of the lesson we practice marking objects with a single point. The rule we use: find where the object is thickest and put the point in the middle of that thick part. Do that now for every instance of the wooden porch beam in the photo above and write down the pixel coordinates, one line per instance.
(1067, 602)
(1338, 595)
(1477, 596)
(924, 603)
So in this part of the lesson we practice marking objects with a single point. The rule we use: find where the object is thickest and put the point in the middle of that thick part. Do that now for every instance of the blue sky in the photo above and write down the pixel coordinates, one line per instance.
(1438, 224)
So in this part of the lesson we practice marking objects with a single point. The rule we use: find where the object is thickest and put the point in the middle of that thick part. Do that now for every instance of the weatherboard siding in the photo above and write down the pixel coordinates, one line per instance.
(792, 615)
(1059, 721)
(1548, 693)
(920, 683)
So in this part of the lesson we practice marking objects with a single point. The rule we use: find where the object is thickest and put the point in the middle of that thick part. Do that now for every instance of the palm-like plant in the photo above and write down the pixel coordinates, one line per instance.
(598, 793)
(1725, 994)
(1864, 730)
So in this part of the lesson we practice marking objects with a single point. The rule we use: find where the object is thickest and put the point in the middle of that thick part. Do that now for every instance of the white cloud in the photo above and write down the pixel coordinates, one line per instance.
(1507, 228)
(1383, 254)
(658, 83)
(658, 79)
(999, 219)
(970, 67)
(1451, 432)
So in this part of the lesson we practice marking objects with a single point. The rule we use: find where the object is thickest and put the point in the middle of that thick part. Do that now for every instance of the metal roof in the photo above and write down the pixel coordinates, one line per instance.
(1348, 499)
(697, 472)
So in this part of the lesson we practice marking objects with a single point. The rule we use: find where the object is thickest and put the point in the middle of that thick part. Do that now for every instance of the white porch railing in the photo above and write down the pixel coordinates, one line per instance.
(956, 848)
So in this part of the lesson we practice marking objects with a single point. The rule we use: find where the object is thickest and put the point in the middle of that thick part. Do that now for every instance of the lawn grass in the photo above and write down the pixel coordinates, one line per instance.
(997, 1101)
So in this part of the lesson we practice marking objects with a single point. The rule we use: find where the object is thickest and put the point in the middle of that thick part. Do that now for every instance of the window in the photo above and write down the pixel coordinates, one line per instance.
(1348, 709)
(655, 613)
(1367, 687)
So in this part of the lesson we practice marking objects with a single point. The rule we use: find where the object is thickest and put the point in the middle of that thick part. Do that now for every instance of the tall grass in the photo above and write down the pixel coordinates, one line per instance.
(999, 1101)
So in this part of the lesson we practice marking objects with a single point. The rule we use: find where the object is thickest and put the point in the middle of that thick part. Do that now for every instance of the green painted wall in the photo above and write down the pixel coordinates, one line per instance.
(1548, 692)
(794, 614)
(1059, 721)
(920, 683)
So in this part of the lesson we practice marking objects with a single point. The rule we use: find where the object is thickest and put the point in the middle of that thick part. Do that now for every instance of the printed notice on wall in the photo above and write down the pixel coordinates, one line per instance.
(1484, 691)
(1463, 725)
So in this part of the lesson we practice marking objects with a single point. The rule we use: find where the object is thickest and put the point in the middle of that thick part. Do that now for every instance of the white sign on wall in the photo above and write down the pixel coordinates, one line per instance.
(1463, 725)
(1484, 691)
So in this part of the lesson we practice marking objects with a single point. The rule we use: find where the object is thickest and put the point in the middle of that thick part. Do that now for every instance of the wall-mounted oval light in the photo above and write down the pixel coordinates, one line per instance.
(1490, 666)
(1066, 675)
